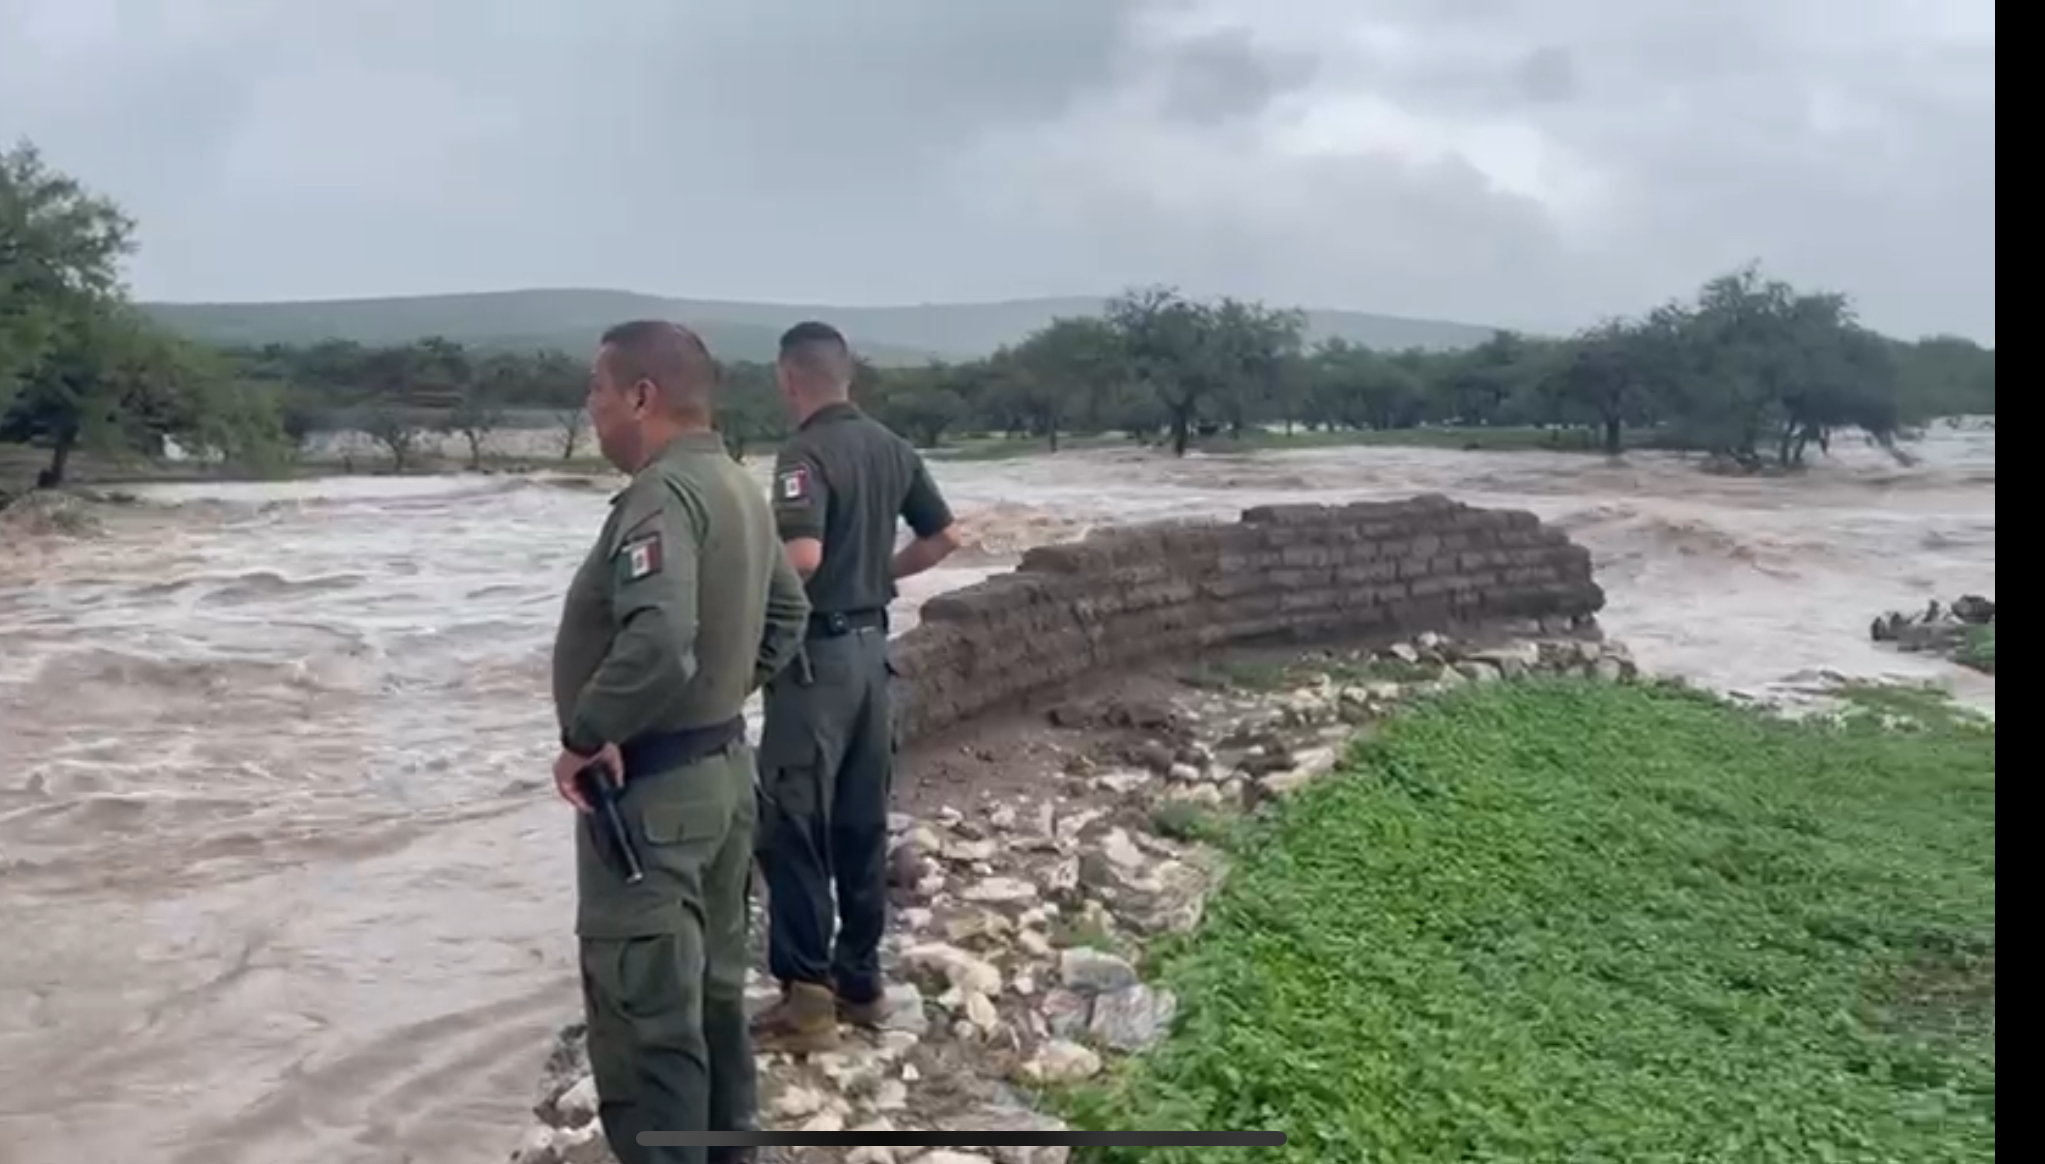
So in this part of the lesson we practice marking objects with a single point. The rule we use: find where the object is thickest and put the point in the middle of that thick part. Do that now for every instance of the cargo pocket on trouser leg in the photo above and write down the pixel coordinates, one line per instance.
(613, 1058)
(676, 839)
(794, 855)
(646, 1045)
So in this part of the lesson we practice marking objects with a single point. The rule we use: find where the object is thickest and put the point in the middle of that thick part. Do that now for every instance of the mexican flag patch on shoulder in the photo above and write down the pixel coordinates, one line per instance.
(795, 483)
(641, 557)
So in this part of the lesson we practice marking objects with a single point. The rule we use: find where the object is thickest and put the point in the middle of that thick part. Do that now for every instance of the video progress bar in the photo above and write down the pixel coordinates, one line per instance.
(989, 1139)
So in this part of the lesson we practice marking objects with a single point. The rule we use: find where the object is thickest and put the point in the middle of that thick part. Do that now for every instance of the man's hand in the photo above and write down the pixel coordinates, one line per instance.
(567, 764)
(925, 553)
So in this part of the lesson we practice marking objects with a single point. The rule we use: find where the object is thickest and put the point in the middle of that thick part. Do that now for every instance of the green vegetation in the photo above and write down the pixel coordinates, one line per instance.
(1752, 370)
(1561, 920)
(1908, 705)
(79, 367)
(1978, 651)
(1183, 820)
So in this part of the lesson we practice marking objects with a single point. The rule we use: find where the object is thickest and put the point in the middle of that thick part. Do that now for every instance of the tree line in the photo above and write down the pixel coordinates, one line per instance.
(1749, 368)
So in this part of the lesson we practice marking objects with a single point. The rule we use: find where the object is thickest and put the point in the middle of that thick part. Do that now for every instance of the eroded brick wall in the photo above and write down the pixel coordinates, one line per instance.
(1295, 572)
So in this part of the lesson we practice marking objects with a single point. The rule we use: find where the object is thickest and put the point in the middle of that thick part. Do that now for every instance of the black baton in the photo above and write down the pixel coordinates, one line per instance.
(603, 796)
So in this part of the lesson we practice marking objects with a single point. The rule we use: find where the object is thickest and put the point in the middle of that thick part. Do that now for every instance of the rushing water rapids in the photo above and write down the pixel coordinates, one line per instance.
(281, 879)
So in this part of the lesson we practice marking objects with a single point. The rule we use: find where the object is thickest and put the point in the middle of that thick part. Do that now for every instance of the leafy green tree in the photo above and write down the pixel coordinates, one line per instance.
(925, 403)
(478, 413)
(1250, 346)
(111, 382)
(1170, 344)
(61, 246)
(1350, 386)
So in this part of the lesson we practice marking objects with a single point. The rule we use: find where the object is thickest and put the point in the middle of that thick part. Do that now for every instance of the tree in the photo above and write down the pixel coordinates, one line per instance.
(60, 252)
(1169, 343)
(1249, 347)
(113, 383)
(397, 431)
(571, 425)
(1841, 376)
(1064, 369)
(1611, 375)
(1350, 386)
(749, 409)
(475, 416)
(1943, 375)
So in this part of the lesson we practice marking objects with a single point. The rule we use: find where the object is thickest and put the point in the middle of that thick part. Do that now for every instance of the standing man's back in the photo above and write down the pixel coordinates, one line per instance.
(841, 484)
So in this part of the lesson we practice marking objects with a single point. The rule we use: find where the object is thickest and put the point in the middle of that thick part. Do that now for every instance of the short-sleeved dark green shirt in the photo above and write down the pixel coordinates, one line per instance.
(845, 479)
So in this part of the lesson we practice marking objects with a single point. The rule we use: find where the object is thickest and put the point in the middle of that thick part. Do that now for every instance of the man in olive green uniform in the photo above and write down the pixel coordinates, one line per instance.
(684, 607)
(841, 483)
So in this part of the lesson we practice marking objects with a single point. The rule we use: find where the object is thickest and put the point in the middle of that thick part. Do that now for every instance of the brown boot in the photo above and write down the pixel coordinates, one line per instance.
(804, 1022)
(863, 1014)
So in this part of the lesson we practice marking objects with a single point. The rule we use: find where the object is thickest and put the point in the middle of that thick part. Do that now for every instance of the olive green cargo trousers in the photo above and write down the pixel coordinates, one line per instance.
(664, 961)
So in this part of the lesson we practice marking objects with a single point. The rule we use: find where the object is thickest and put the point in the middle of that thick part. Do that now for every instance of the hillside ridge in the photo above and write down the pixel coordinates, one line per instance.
(566, 317)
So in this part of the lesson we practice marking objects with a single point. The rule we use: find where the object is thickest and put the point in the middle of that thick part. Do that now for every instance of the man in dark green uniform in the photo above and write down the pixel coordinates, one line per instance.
(841, 483)
(684, 606)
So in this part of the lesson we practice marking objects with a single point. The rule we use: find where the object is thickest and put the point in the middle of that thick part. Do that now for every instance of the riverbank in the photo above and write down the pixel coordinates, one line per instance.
(1566, 869)
(19, 464)
(1492, 439)
(1621, 922)
(1037, 855)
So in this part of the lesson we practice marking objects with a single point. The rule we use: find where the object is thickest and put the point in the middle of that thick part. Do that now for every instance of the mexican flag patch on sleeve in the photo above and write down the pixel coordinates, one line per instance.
(642, 557)
(794, 483)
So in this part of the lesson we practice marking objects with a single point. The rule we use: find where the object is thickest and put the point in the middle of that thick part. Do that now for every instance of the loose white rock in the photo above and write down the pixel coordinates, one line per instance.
(579, 1103)
(1000, 890)
(971, 852)
(981, 1013)
(825, 1121)
(798, 1102)
(1061, 1062)
(1094, 971)
(1119, 849)
(891, 1095)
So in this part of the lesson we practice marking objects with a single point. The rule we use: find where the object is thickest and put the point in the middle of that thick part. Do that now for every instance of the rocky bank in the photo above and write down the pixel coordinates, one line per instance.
(1021, 916)
(1952, 632)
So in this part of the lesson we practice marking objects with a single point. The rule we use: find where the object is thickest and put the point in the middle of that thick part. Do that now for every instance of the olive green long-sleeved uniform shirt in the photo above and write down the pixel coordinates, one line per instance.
(685, 605)
(683, 608)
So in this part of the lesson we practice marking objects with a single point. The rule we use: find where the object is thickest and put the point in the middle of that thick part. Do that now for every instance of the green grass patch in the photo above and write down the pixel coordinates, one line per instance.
(1978, 650)
(1182, 820)
(1562, 920)
(1909, 705)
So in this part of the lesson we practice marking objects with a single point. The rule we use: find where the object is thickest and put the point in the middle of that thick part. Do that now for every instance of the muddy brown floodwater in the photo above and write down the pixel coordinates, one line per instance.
(281, 879)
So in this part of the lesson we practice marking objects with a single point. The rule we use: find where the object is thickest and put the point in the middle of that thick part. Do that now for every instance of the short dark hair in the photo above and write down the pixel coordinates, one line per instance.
(670, 355)
(818, 350)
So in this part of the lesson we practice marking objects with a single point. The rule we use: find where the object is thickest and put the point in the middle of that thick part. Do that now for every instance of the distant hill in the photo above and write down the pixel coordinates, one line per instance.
(570, 319)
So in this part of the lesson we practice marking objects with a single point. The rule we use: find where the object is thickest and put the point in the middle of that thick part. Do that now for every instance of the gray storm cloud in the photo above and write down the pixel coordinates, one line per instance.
(1486, 160)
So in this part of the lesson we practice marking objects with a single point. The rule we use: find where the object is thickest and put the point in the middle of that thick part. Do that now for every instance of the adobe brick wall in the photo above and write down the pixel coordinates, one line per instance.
(1304, 573)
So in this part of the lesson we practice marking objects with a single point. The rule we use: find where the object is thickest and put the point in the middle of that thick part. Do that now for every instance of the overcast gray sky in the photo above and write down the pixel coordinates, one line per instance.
(1496, 161)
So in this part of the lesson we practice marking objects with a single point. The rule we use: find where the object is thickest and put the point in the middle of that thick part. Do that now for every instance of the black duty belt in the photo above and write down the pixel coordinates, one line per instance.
(657, 752)
(844, 622)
